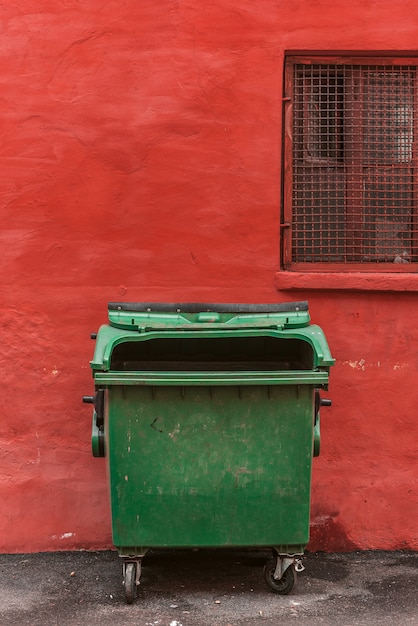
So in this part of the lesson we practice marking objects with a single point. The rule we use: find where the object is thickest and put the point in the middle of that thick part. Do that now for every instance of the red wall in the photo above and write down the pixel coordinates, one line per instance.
(140, 159)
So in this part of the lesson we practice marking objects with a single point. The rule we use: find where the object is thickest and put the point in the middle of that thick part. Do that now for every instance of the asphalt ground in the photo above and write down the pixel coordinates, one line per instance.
(208, 588)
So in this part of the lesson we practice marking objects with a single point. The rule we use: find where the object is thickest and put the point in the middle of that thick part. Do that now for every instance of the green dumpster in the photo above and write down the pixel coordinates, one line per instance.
(208, 416)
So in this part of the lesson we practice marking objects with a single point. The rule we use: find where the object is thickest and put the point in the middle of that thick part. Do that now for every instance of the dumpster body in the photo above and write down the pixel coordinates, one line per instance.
(208, 417)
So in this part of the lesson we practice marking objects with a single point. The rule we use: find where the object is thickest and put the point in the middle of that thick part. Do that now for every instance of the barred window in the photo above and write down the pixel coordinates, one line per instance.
(350, 174)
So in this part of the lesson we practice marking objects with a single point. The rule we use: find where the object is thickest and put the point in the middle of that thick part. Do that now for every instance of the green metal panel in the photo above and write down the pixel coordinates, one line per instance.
(210, 465)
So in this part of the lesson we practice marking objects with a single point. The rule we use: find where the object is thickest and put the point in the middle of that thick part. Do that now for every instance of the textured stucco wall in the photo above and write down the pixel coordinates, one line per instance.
(140, 159)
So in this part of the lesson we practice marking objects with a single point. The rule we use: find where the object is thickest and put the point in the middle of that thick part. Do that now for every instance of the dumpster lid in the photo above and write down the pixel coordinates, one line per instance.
(133, 322)
(165, 315)
(196, 307)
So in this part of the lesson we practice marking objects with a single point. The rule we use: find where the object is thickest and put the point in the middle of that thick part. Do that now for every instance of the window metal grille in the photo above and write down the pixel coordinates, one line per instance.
(351, 170)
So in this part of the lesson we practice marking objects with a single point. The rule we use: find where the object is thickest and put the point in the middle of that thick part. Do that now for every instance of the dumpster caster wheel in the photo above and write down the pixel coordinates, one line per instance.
(130, 582)
(285, 584)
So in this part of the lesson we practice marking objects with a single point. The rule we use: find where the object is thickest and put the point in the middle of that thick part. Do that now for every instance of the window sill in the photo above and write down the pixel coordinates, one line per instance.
(346, 281)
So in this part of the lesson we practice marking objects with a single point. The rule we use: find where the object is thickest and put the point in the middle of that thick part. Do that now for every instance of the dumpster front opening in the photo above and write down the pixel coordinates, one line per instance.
(218, 353)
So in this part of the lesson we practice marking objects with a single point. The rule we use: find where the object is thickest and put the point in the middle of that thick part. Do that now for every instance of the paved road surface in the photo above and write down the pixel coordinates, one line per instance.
(208, 588)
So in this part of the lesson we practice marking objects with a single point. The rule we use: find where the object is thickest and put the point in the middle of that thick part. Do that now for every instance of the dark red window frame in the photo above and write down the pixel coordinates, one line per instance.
(350, 198)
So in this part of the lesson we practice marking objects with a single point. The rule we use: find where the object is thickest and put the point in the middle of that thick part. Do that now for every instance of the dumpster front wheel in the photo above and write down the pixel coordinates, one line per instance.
(129, 582)
(285, 584)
